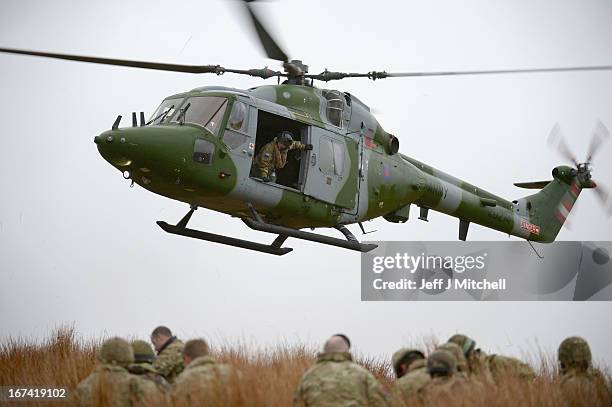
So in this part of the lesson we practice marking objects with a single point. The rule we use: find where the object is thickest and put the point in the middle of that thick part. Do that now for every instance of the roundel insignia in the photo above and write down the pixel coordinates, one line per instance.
(386, 172)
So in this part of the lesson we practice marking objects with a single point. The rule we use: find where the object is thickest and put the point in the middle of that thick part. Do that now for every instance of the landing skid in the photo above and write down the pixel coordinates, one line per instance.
(182, 230)
(257, 223)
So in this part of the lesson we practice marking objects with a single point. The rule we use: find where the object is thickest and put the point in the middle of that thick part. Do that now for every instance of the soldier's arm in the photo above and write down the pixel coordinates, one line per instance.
(376, 395)
(296, 145)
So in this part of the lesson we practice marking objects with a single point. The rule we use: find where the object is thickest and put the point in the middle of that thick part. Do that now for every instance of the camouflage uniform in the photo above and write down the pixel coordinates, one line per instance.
(169, 362)
(142, 366)
(476, 358)
(335, 380)
(408, 386)
(270, 157)
(206, 381)
(577, 373)
(445, 383)
(110, 384)
(444, 387)
(462, 365)
(500, 365)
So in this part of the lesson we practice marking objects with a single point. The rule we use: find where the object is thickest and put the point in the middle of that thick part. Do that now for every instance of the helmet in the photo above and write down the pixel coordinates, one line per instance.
(457, 353)
(466, 344)
(143, 352)
(573, 352)
(285, 137)
(116, 351)
(441, 362)
(405, 355)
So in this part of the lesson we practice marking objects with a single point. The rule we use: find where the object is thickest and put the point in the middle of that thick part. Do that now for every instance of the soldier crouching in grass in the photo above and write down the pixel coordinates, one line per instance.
(335, 380)
(578, 376)
(205, 381)
(491, 368)
(110, 384)
(410, 367)
(169, 361)
(445, 384)
(144, 356)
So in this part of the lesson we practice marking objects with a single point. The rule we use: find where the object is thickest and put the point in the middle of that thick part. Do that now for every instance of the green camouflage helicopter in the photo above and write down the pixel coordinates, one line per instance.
(199, 147)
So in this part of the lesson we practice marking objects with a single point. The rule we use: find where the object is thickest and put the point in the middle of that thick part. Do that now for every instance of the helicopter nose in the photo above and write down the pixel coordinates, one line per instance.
(157, 149)
(113, 147)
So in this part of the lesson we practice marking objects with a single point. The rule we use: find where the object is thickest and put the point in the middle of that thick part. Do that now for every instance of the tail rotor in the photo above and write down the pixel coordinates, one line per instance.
(583, 170)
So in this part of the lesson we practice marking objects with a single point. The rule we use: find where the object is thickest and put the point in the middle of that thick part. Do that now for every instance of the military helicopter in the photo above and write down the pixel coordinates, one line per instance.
(199, 147)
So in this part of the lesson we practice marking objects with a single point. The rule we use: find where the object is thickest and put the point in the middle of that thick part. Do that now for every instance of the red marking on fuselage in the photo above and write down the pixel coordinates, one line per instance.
(369, 143)
(575, 190)
(530, 227)
(560, 216)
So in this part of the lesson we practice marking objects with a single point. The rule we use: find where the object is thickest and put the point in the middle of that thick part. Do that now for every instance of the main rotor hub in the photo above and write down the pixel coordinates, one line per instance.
(296, 72)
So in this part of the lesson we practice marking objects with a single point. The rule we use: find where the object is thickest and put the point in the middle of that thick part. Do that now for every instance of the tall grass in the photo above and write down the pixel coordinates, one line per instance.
(270, 375)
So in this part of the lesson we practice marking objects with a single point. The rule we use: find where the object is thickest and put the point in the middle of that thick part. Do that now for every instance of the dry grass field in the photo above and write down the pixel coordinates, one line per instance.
(269, 376)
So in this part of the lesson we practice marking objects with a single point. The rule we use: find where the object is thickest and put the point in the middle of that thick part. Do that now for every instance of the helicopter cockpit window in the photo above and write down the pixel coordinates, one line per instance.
(205, 111)
(236, 133)
(164, 112)
(335, 106)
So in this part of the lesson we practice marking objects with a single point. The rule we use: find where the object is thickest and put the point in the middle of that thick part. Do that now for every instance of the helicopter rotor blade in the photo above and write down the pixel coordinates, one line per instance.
(556, 140)
(373, 75)
(118, 62)
(604, 199)
(600, 135)
(273, 50)
(502, 71)
(197, 69)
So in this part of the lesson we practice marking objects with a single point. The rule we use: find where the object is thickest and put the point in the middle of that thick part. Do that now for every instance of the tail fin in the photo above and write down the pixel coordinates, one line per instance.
(547, 210)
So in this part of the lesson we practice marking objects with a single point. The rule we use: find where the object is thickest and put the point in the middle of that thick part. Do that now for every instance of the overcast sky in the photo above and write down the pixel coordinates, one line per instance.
(77, 245)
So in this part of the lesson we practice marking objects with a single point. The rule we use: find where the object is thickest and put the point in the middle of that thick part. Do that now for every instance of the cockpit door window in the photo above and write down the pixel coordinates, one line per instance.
(236, 132)
(239, 118)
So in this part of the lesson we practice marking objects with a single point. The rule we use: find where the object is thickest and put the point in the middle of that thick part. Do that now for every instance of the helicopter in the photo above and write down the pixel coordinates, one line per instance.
(198, 147)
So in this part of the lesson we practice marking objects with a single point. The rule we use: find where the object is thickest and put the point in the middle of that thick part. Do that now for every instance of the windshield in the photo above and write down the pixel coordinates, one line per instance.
(164, 112)
(205, 111)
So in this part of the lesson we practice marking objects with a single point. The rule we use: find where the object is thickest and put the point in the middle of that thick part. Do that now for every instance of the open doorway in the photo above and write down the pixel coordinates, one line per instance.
(268, 127)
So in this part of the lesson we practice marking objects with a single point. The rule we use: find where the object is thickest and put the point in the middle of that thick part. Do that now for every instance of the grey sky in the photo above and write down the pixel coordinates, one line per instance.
(78, 245)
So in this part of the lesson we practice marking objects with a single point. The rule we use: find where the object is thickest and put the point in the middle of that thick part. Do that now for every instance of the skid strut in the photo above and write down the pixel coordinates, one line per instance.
(351, 242)
(182, 230)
